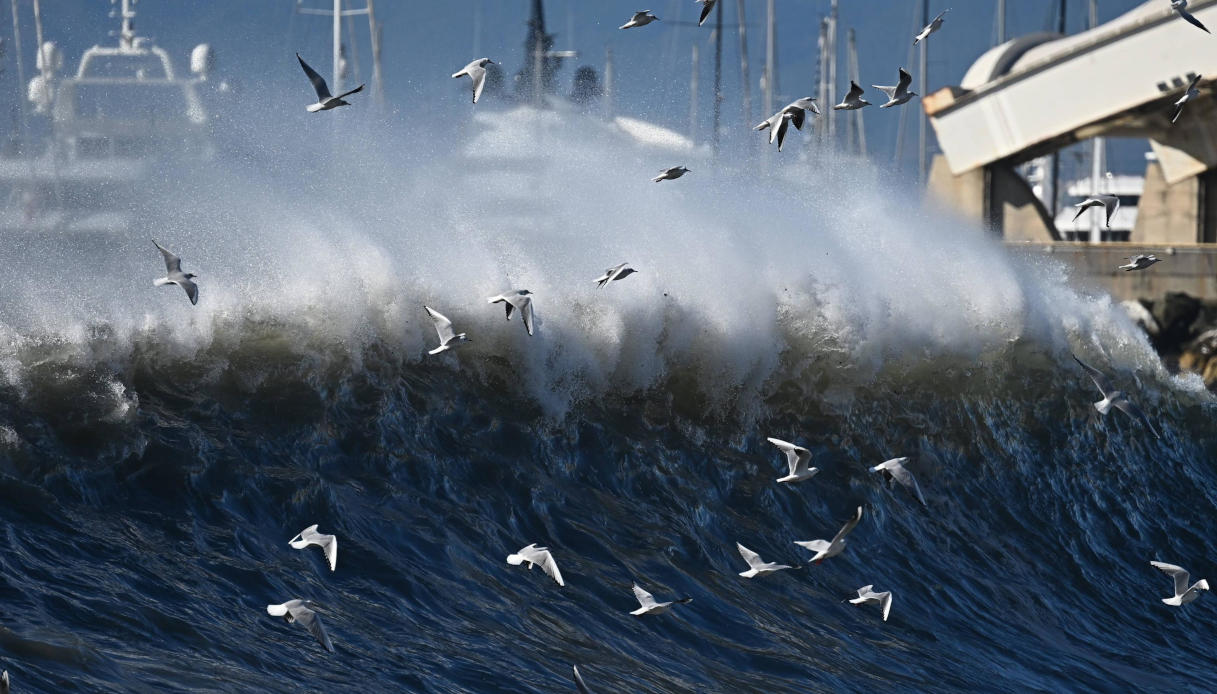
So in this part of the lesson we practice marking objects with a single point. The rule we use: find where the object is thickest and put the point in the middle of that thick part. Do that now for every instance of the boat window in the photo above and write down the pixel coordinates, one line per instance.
(131, 102)
(147, 67)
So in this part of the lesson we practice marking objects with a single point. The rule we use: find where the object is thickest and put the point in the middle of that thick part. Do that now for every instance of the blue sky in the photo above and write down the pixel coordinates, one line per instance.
(425, 41)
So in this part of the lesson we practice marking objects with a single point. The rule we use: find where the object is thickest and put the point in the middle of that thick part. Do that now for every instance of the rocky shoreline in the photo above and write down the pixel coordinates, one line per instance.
(1183, 329)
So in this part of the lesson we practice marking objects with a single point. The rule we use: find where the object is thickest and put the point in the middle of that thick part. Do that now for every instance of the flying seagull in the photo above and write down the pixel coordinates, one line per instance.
(1111, 203)
(1139, 262)
(647, 604)
(797, 458)
(1180, 8)
(579, 681)
(325, 101)
(671, 174)
(1113, 397)
(300, 611)
(853, 100)
(1183, 592)
(756, 565)
(613, 274)
(894, 470)
(538, 556)
(1188, 95)
(327, 543)
(443, 326)
(4, 683)
(641, 18)
(900, 93)
(174, 274)
(930, 28)
(475, 71)
(795, 112)
(519, 299)
(827, 550)
(706, 6)
(866, 596)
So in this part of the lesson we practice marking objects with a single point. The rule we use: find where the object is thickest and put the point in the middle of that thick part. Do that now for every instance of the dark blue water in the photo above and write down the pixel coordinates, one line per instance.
(155, 458)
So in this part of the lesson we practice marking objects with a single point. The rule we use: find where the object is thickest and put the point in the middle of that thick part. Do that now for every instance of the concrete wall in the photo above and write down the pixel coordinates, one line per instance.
(995, 198)
(1168, 214)
(1191, 269)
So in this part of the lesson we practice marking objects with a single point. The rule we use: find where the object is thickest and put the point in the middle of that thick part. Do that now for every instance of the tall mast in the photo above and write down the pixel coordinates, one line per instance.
(20, 67)
(693, 96)
(608, 82)
(1001, 22)
(745, 80)
(1056, 156)
(922, 140)
(830, 92)
(823, 76)
(770, 50)
(336, 83)
(1097, 151)
(854, 70)
(718, 74)
(378, 85)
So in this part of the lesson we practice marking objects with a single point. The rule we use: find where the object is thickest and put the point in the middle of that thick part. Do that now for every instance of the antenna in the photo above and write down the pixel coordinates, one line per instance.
(745, 81)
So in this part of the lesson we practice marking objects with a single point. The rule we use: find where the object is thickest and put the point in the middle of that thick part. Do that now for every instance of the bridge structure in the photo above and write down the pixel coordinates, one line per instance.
(1036, 94)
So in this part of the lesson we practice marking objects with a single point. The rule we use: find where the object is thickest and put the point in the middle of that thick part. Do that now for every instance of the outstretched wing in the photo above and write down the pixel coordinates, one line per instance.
(1111, 204)
(356, 90)
(903, 476)
(192, 290)
(749, 556)
(796, 456)
(890, 91)
(706, 6)
(905, 80)
(645, 599)
(1130, 408)
(443, 326)
(848, 527)
(312, 621)
(319, 85)
(1193, 21)
(855, 91)
(526, 312)
(1176, 572)
(579, 681)
(886, 604)
(551, 567)
(172, 262)
(478, 74)
(1097, 376)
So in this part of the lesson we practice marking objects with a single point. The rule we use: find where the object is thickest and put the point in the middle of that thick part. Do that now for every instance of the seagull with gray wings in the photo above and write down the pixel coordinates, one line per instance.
(1139, 262)
(793, 113)
(899, 94)
(1180, 8)
(301, 611)
(519, 299)
(756, 565)
(647, 604)
(867, 596)
(671, 174)
(537, 556)
(325, 101)
(1110, 203)
(1114, 398)
(174, 274)
(798, 460)
(476, 72)
(894, 470)
(327, 543)
(614, 274)
(1183, 592)
(706, 6)
(831, 548)
(853, 100)
(641, 18)
(930, 28)
(1188, 95)
(447, 337)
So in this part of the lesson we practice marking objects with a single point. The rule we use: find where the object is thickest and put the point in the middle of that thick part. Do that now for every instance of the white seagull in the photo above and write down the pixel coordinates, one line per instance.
(641, 18)
(300, 611)
(1183, 592)
(866, 596)
(930, 28)
(756, 565)
(793, 113)
(1188, 95)
(671, 174)
(518, 299)
(853, 100)
(797, 459)
(325, 101)
(827, 550)
(1113, 397)
(447, 338)
(579, 684)
(614, 274)
(327, 543)
(894, 470)
(706, 6)
(475, 71)
(647, 604)
(900, 93)
(1139, 262)
(4, 683)
(1111, 203)
(538, 556)
(173, 268)
(1180, 8)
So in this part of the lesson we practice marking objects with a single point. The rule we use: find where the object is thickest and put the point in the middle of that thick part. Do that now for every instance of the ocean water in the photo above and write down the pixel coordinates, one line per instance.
(156, 457)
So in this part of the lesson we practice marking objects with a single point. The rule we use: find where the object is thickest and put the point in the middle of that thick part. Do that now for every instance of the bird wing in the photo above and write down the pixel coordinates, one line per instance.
(864, 591)
(780, 131)
(356, 90)
(754, 560)
(903, 476)
(579, 681)
(172, 262)
(1176, 572)
(312, 621)
(848, 527)
(192, 290)
(905, 80)
(478, 74)
(797, 117)
(1193, 21)
(1097, 376)
(526, 312)
(319, 85)
(814, 545)
(1130, 408)
(886, 603)
(890, 91)
(443, 326)
(941, 15)
(550, 566)
(1111, 203)
(1192, 85)
(706, 6)
(330, 547)
(645, 599)
(855, 91)
(797, 457)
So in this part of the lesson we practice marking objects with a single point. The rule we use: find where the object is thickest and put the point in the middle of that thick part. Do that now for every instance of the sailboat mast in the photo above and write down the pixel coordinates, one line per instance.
(336, 81)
